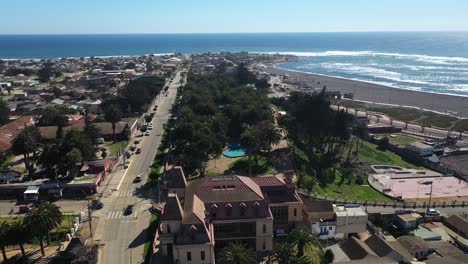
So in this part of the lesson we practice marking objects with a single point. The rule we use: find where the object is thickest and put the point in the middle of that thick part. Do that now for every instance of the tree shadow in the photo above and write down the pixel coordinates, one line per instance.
(140, 239)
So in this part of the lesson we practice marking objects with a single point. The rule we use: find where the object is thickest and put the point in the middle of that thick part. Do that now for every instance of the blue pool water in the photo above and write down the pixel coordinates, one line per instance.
(234, 151)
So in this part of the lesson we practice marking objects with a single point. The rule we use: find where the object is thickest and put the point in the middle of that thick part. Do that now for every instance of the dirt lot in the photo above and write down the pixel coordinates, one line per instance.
(457, 162)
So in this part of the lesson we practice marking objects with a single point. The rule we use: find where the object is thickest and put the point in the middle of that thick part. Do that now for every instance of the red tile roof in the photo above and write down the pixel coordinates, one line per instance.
(9, 131)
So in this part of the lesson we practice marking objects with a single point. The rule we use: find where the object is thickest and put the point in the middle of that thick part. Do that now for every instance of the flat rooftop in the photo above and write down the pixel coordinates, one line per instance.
(412, 188)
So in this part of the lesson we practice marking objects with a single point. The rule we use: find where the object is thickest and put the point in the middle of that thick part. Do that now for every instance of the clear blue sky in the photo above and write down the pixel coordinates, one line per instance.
(214, 16)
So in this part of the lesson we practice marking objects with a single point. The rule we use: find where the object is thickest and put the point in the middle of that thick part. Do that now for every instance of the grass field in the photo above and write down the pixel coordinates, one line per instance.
(401, 139)
(369, 153)
(461, 124)
(437, 120)
(241, 166)
(350, 190)
(115, 147)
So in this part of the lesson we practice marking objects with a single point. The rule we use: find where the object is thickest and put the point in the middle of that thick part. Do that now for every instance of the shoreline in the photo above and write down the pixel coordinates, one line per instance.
(378, 93)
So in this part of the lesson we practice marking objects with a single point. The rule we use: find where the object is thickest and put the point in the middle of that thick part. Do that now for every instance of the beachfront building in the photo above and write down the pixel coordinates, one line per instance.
(211, 212)
(420, 148)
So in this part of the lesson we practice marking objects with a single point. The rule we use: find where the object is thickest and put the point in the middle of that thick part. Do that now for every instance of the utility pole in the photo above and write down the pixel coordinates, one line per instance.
(90, 218)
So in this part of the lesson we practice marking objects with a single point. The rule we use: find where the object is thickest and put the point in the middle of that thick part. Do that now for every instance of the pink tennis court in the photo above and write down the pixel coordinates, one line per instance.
(411, 188)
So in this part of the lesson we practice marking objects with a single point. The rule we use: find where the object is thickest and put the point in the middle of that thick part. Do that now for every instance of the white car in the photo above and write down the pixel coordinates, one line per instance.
(432, 212)
(150, 127)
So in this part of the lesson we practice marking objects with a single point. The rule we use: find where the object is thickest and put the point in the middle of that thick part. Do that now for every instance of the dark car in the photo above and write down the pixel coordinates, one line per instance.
(138, 151)
(128, 210)
(137, 178)
(96, 205)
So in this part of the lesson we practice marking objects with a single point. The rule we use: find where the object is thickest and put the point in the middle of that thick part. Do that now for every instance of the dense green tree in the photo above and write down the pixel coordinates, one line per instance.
(72, 158)
(243, 75)
(51, 158)
(113, 114)
(237, 253)
(383, 143)
(15, 71)
(47, 72)
(79, 140)
(141, 91)
(51, 116)
(4, 229)
(92, 132)
(262, 84)
(27, 143)
(4, 113)
(250, 142)
(328, 257)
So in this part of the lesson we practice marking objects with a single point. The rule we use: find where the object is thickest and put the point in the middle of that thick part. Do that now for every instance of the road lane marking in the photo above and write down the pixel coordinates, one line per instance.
(125, 174)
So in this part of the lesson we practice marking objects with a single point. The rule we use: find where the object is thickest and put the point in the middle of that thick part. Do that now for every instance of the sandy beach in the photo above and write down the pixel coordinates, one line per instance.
(383, 94)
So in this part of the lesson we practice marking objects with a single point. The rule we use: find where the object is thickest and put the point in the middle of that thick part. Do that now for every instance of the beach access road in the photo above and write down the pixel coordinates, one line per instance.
(412, 128)
(122, 233)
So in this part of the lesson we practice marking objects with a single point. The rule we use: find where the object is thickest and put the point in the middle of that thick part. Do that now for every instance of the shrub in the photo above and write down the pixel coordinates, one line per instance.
(359, 180)
(132, 148)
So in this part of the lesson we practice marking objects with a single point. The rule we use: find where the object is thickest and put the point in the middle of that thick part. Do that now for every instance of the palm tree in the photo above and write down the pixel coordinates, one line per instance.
(113, 114)
(302, 238)
(249, 141)
(285, 253)
(237, 253)
(43, 220)
(19, 235)
(4, 228)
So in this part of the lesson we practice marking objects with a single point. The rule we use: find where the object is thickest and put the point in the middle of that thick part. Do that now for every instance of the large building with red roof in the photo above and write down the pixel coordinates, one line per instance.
(208, 213)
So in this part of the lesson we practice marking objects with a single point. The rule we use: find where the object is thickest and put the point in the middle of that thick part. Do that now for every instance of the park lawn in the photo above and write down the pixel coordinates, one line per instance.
(401, 139)
(462, 124)
(403, 114)
(437, 120)
(350, 191)
(241, 166)
(369, 153)
(352, 104)
(114, 148)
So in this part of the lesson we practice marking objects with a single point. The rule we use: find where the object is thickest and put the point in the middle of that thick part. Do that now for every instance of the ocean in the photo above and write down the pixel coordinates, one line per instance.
(425, 61)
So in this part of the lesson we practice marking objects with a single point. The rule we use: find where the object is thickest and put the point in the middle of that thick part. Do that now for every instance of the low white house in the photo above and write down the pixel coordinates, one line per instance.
(347, 220)
(420, 148)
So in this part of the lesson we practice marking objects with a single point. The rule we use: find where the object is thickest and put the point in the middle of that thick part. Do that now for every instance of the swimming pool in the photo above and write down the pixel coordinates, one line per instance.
(234, 151)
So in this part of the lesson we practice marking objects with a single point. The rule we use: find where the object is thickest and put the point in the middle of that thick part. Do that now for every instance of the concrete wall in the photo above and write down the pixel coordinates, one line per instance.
(180, 254)
(264, 241)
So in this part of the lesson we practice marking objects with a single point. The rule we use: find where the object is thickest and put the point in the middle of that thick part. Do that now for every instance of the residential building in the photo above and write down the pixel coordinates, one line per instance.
(374, 247)
(420, 148)
(409, 221)
(214, 211)
(457, 224)
(416, 246)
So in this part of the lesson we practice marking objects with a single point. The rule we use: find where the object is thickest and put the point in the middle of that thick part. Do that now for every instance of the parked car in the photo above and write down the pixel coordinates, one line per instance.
(150, 127)
(147, 133)
(432, 212)
(138, 151)
(126, 164)
(96, 205)
(137, 178)
(26, 208)
(128, 210)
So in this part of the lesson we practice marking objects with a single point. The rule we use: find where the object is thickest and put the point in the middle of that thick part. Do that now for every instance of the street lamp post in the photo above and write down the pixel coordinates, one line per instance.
(430, 198)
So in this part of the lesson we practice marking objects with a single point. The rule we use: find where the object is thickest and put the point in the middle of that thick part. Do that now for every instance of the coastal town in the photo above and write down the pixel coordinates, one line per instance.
(225, 158)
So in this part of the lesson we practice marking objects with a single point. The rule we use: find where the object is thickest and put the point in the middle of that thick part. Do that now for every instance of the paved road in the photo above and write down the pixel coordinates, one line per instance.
(123, 236)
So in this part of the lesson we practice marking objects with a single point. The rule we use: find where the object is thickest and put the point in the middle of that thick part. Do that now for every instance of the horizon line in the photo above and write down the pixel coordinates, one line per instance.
(219, 33)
